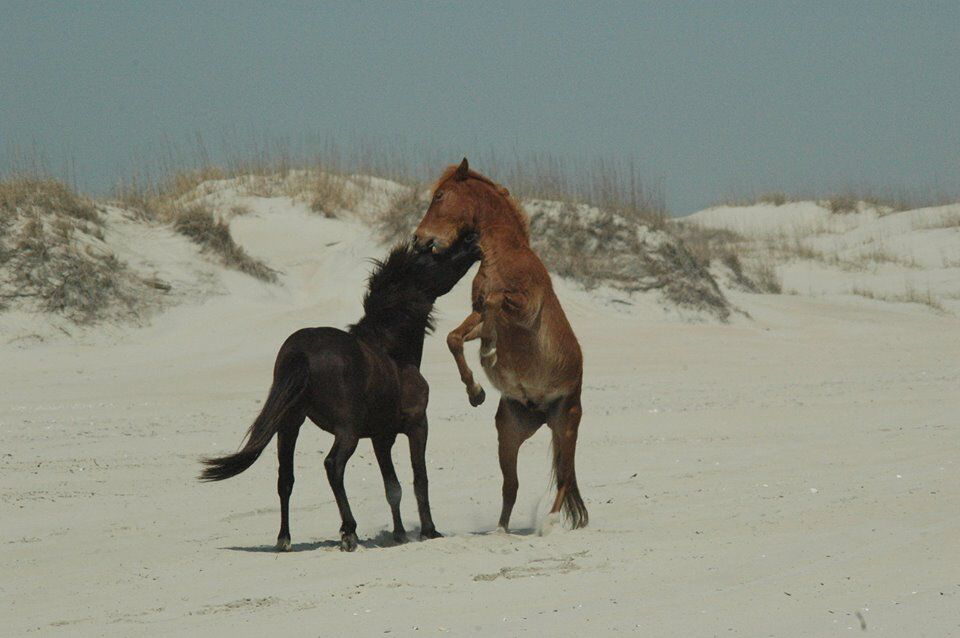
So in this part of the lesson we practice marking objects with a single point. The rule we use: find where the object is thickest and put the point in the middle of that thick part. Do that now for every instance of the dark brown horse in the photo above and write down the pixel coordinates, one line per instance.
(361, 383)
(528, 350)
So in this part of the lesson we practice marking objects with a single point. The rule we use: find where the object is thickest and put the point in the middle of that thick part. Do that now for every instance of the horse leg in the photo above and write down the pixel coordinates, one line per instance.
(564, 422)
(515, 424)
(335, 464)
(467, 331)
(382, 447)
(286, 443)
(488, 329)
(417, 437)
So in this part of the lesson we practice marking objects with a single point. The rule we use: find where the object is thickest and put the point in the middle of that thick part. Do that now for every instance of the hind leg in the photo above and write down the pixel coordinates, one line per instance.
(286, 443)
(383, 448)
(515, 424)
(564, 422)
(335, 464)
(417, 437)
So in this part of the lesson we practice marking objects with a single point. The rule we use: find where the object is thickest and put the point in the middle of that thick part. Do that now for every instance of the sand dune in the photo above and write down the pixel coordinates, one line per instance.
(882, 254)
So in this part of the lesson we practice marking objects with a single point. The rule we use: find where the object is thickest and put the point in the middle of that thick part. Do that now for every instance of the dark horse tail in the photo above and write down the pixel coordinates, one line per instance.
(285, 395)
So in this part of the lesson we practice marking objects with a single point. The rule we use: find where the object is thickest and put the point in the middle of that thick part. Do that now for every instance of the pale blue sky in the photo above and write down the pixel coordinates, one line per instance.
(712, 98)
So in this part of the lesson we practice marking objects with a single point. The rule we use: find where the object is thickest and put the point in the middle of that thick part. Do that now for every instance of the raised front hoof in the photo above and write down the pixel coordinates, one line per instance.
(427, 535)
(477, 397)
(283, 545)
(348, 542)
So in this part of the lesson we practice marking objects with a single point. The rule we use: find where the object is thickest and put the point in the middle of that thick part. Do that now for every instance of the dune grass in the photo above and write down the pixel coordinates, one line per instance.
(848, 200)
(52, 254)
(911, 294)
(199, 224)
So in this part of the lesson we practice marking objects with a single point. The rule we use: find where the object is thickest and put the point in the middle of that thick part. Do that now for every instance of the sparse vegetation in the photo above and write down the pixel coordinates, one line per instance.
(400, 218)
(951, 220)
(764, 275)
(777, 198)
(910, 295)
(38, 194)
(880, 255)
(597, 247)
(329, 194)
(850, 200)
(842, 204)
(611, 230)
(52, 255)
(199, 224)
(709, 245)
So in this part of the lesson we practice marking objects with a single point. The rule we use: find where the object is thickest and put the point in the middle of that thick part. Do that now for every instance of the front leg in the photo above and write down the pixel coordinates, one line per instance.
(382, 446)
(418, 460)
(467, 331)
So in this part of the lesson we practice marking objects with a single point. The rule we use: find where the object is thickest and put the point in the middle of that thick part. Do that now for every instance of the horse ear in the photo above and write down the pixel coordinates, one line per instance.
(463, 171)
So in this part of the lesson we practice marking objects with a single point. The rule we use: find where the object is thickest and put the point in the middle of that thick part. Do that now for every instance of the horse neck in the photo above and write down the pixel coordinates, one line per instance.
(501, 231)
(400, 337)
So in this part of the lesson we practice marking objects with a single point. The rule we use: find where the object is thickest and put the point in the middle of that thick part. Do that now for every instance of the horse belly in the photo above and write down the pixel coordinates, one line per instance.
(523, 381)
(534, 367)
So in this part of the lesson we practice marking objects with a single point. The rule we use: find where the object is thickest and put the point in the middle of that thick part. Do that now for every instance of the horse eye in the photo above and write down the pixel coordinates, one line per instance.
(438, 196)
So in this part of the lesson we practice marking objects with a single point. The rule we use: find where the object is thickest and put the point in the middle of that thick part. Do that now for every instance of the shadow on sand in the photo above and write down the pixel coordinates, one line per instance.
(383, 540)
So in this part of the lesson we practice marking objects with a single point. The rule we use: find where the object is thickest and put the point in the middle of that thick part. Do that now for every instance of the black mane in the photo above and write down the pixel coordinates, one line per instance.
(396, 310)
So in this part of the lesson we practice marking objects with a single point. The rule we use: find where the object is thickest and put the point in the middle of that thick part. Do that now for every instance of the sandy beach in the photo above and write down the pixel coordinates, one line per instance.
(793, 472)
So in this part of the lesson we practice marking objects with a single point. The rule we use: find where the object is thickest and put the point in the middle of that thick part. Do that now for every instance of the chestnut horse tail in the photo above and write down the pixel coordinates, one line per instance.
(285, 397)
(573, 508)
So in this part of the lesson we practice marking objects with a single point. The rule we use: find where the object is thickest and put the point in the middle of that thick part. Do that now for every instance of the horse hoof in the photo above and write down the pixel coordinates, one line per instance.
(476, 398)
(502, 530)
(425, 536)
(549, 522)
(348, 542)
(283, 545)
(400, 538)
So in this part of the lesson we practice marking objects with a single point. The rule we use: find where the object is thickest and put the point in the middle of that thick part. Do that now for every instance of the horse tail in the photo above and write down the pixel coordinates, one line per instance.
(572, 505)
(286, 393)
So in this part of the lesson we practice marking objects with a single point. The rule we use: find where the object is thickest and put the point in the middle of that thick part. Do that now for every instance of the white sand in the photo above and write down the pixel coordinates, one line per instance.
(884, 254)
(774, 476)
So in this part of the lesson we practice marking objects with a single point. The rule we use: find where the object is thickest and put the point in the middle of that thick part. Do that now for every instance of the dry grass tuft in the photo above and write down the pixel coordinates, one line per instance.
(765, 276)
(596, 247)
(44, 194)
(709, 245)
(777, 198)
(329, 194)
(842, 204)
(400, 219)
(910, 295)
(199, 224)
(174, 201)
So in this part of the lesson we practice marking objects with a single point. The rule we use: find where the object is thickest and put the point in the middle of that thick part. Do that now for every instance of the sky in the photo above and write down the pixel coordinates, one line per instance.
(711, 99)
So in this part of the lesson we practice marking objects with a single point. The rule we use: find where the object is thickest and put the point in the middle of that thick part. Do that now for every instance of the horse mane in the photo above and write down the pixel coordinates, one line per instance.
(393, 306)
(512, 207)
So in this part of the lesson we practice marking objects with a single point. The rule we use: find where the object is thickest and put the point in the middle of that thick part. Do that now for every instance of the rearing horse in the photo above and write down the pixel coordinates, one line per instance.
(527, 348)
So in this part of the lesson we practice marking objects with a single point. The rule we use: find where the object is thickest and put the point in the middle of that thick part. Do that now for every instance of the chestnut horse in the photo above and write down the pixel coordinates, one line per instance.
(527, 348)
